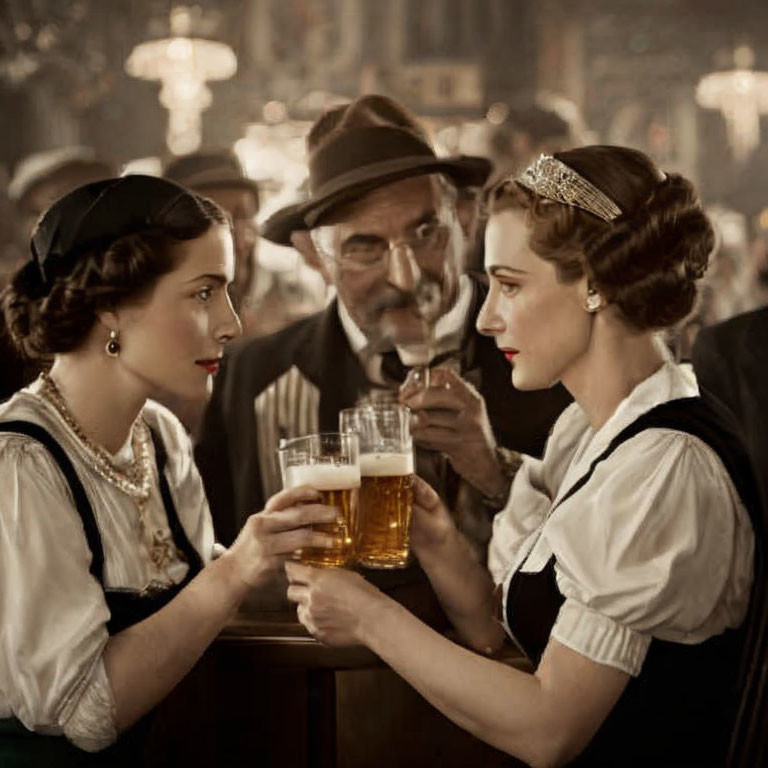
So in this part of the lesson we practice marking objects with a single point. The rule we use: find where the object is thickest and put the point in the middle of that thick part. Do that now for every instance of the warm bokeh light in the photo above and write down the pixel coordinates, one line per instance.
(183, 65)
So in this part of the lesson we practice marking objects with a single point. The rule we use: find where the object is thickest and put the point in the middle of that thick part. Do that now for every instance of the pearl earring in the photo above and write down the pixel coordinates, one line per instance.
(594, 301)
(113, 345)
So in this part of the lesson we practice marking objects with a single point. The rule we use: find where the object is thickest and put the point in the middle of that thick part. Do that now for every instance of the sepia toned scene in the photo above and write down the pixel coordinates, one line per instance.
(384, 383)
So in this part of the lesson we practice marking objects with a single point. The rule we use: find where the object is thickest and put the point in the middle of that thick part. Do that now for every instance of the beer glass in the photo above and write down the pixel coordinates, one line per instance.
(386, 488)
(328, 462)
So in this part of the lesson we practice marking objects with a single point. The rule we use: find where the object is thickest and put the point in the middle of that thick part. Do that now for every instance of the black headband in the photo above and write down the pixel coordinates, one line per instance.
(95, 215)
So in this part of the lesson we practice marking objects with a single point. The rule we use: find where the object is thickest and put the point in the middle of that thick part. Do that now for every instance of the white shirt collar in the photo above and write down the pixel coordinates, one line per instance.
(671, 381)
(448, 330)
(355, 336)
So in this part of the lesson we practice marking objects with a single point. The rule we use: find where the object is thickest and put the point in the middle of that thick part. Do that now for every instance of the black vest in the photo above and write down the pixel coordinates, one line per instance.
(20, 748)
(680, 710)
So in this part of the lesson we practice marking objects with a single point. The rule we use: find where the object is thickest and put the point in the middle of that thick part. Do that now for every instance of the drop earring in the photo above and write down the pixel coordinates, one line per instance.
(113, 345)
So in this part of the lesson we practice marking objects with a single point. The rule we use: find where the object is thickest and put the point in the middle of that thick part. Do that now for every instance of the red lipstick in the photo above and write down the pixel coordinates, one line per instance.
(509, 353)
(211, 366)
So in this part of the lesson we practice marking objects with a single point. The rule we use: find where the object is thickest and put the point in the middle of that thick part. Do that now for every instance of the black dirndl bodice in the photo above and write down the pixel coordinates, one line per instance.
(680, 711)
(21, 748)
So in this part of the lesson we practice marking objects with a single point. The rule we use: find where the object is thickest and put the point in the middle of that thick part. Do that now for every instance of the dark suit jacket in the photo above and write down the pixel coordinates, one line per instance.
(731, 361)
(228, 450)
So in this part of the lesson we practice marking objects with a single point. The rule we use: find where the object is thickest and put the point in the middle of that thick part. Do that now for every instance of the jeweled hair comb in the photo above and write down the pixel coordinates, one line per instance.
(554, 180)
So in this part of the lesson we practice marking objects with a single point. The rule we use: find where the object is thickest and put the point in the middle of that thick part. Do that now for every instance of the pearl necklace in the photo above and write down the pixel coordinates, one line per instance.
(135, 481)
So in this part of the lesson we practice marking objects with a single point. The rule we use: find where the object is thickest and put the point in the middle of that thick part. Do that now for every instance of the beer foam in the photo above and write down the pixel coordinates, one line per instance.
(323, 477)
(386, 464)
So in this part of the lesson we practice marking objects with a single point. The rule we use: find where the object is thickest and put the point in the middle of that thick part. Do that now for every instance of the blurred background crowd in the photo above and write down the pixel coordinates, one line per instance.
(219, 94)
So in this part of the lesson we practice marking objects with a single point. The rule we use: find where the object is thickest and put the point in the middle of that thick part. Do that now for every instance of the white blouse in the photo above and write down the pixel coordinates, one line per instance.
(53, 613)
(656, 544)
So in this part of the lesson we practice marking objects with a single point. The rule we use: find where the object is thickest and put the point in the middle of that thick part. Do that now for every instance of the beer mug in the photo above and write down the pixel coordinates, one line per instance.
(386, 487)
(328, 462)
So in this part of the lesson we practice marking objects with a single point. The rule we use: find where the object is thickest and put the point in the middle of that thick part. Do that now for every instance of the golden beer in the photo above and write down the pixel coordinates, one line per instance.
(386, 505)
(338, 486)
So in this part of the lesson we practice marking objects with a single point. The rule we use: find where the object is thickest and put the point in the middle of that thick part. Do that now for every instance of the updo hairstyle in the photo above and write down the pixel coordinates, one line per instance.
(646, 261)
(42, 323)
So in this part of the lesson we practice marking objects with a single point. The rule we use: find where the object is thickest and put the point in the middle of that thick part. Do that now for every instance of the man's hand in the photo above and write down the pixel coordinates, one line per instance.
(451, 417)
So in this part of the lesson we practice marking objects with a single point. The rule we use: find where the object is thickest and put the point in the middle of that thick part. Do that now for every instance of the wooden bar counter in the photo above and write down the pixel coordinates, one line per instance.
(266, 694)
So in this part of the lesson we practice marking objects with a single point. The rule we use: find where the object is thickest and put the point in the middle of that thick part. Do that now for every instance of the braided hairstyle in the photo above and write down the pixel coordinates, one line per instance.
(646, 261)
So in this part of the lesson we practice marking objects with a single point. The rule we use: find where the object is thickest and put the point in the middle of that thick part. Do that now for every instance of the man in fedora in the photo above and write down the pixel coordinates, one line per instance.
(43, 177)
(381, 223)
(218, 174)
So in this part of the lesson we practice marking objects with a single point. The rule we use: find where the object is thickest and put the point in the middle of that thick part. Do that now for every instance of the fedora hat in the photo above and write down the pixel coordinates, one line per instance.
(210, 169)
(51, 165)
(358, 147)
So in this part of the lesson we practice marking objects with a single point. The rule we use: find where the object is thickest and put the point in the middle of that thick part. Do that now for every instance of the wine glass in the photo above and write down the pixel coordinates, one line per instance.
(428, 296)
(434, 288)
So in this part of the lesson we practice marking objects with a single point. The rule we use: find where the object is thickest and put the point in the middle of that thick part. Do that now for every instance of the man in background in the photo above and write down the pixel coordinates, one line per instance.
(218, 174)
(382, 214)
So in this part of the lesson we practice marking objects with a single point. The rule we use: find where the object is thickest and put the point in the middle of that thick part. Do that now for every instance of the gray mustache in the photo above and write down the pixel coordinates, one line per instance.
(395, 301)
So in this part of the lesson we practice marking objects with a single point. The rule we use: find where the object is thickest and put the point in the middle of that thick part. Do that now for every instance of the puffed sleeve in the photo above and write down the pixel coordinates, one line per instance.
(662, 548)
(52, 611)
(185, 481)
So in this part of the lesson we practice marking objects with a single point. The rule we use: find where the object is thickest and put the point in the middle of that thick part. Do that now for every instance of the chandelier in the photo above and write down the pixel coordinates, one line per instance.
(183, 65)
(741, 94)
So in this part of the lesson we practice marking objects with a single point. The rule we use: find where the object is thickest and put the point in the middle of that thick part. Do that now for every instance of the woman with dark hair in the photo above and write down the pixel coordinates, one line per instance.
(623, 561)
(109, 590)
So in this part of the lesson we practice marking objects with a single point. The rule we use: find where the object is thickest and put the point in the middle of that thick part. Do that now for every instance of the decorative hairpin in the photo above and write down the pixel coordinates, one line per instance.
(554, 180)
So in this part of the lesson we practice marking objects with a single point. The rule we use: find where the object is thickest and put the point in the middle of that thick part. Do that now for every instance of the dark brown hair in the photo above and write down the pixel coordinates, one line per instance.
(126, 269)
(647, 260)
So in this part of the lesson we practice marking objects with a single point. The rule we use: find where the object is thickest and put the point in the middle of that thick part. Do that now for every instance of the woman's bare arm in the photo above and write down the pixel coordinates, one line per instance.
(145, 661)
(462, 583)
(544, 718)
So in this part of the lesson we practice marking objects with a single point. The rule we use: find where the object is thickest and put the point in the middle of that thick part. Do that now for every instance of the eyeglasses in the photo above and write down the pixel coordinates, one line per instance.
(428, 238)
(361, 252)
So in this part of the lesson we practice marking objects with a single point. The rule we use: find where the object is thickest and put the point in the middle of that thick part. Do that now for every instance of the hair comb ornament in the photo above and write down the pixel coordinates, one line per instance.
(554, 180)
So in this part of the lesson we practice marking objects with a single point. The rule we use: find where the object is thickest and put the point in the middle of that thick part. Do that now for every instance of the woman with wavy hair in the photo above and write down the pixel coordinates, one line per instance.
(109, 590)
(623, 560)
